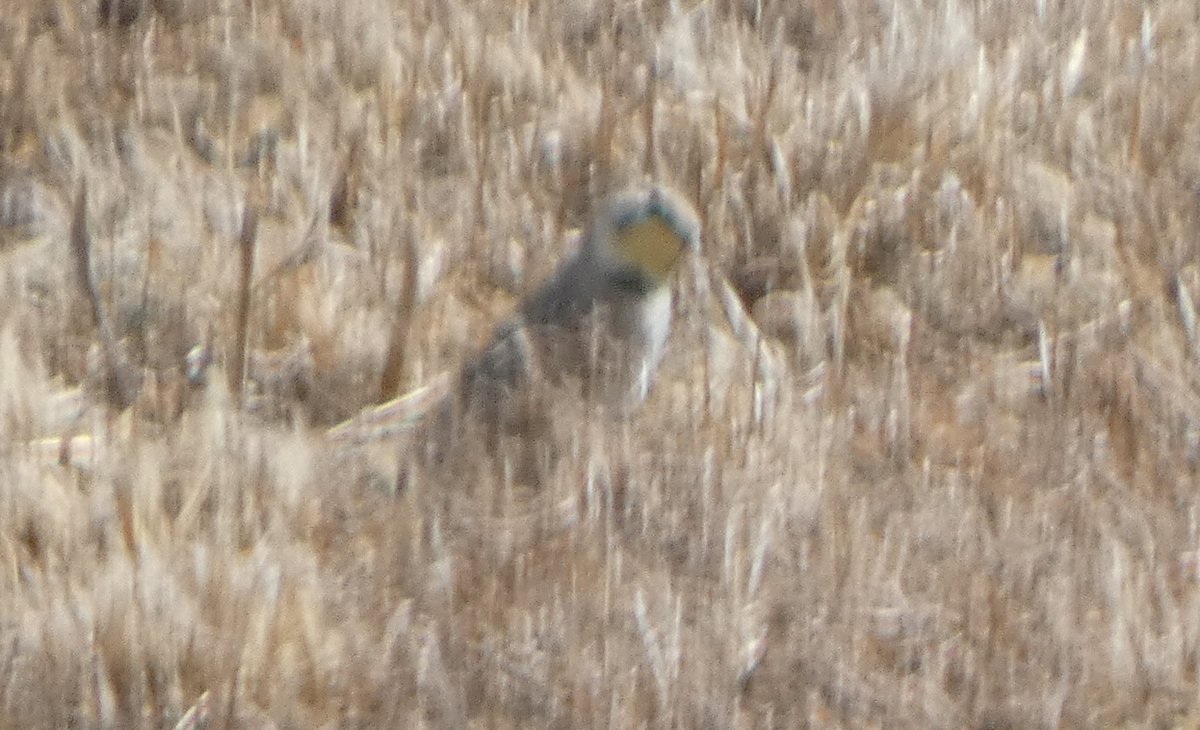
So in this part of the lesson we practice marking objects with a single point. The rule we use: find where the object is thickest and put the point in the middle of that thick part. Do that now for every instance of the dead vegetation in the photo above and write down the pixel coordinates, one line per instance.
(954, 486)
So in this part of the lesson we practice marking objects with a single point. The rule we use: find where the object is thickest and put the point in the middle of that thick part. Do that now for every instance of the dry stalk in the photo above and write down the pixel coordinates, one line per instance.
(650, 161)
(121, 381)
(344, 197)
(247, 242)
(395, 360)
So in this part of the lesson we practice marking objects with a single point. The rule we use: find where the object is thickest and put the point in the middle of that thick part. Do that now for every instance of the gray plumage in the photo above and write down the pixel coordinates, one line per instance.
(598, 325)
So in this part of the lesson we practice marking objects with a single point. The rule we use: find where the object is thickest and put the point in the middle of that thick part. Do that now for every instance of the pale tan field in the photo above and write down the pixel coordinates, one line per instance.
(952, 485)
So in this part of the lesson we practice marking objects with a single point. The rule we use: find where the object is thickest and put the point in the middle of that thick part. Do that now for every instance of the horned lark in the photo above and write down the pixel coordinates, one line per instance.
(593, 333)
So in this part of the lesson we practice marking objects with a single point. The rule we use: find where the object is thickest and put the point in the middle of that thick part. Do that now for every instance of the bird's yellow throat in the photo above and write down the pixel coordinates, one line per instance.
(652, 245)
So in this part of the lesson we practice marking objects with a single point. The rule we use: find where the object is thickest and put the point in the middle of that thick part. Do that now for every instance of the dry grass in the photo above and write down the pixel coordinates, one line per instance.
(957, 488)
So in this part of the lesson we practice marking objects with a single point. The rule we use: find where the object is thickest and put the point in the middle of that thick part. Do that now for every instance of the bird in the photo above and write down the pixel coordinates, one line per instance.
(594, 332)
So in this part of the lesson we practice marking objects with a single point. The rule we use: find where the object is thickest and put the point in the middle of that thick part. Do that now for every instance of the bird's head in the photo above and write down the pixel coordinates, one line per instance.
(643, 233)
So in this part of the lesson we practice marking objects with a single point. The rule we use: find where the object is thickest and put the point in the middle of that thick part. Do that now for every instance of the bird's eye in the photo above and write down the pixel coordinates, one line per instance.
(627, 219)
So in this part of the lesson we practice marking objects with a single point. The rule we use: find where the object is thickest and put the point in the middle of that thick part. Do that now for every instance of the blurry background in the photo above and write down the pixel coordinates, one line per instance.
(954, 485)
